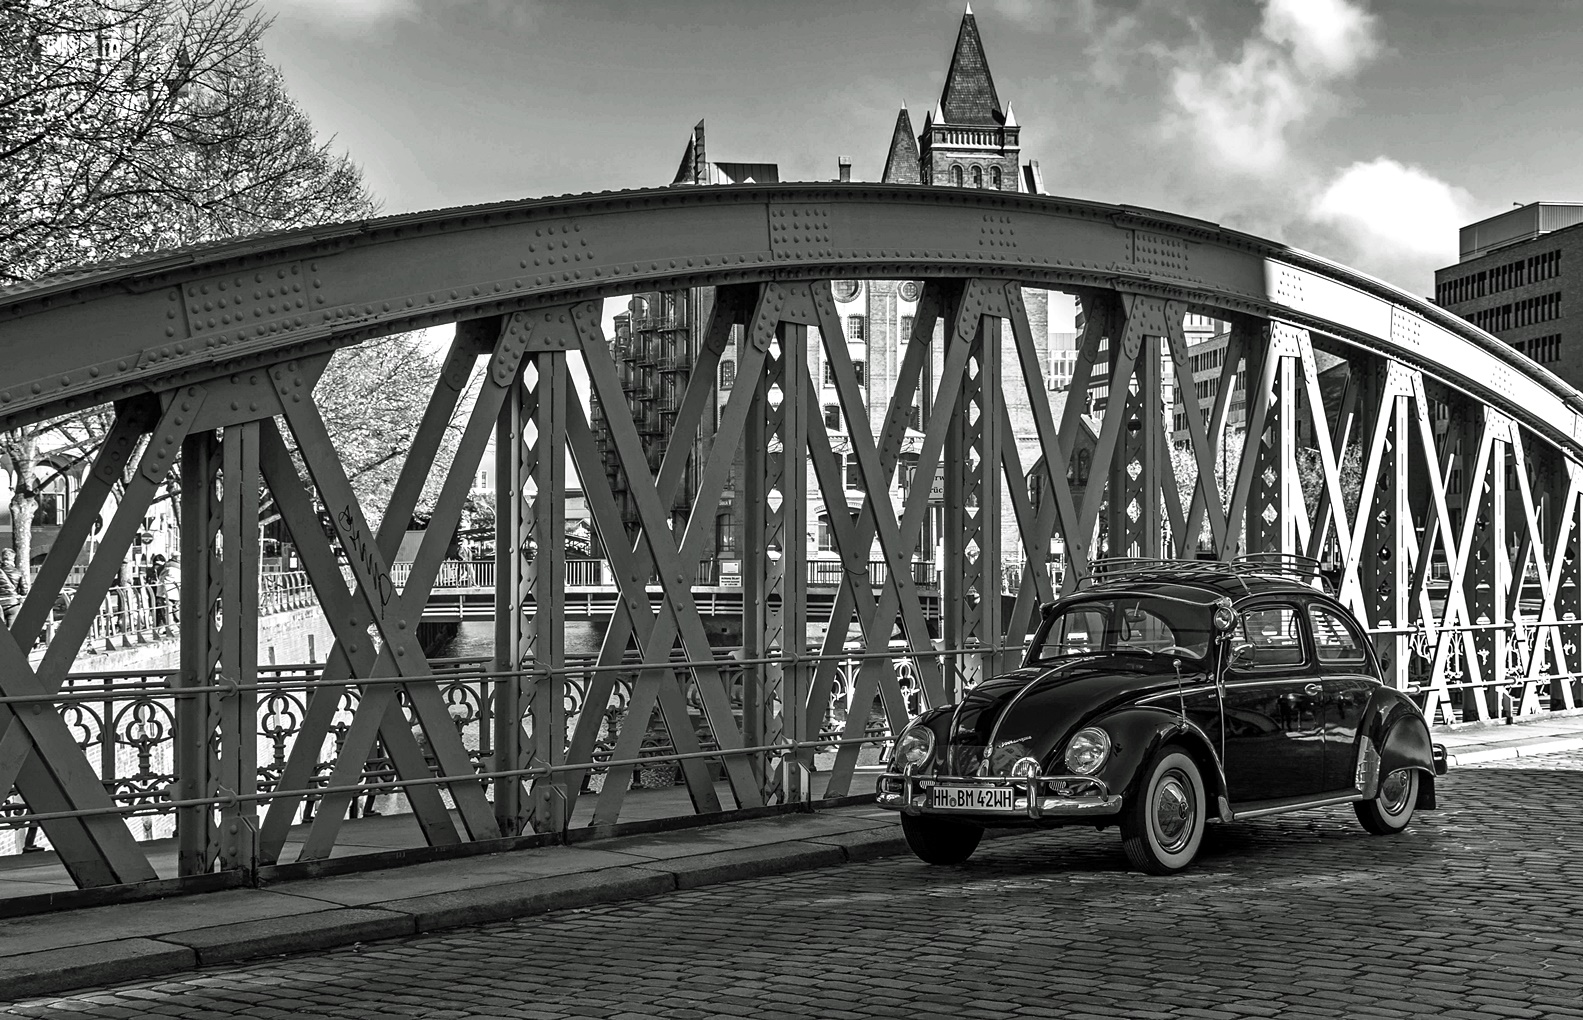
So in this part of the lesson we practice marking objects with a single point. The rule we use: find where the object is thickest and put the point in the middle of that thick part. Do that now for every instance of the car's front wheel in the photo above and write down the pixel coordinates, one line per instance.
(1392, 808)
(940, 840)
(1163, 826)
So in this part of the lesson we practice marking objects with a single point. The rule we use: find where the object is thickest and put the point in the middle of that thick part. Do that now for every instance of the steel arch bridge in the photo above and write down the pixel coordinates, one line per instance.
(1458, 547)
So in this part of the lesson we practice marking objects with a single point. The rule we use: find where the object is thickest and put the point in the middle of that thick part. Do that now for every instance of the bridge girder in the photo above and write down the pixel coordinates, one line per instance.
(207, 353)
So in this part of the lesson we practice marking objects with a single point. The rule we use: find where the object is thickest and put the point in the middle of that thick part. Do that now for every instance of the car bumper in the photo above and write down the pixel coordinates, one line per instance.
(1058, 797)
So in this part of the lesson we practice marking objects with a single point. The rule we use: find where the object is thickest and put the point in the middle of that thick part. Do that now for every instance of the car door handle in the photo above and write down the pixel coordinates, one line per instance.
(1313, 689)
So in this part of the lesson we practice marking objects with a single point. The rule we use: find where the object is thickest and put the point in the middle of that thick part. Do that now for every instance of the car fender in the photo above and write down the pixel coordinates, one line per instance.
(1395, 735)
(1136, 733)
(1400, 734)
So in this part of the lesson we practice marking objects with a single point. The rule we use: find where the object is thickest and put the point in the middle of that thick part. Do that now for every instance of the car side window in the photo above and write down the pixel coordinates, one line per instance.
(1077, 632)
(1275, 634)
(1336, 641)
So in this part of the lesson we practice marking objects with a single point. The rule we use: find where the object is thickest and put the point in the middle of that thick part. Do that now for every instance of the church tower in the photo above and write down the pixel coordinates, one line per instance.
(970, 141)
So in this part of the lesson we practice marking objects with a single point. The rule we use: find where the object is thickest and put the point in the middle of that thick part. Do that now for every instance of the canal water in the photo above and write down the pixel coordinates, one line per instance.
(475, 639)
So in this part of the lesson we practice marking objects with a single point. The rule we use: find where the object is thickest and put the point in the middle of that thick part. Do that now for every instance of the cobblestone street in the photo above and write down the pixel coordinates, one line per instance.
(1469, 914)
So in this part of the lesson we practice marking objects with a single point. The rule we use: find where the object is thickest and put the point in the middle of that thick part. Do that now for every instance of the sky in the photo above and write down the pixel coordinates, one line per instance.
(1366, 131)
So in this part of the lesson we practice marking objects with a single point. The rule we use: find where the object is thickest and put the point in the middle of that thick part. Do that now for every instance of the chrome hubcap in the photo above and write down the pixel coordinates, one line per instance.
(1393, 792)
(1173, 813)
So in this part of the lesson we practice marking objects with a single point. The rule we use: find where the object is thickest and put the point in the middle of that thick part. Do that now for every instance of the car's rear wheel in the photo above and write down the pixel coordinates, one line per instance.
(1163, 825)
(1392, 808)
(940, 840)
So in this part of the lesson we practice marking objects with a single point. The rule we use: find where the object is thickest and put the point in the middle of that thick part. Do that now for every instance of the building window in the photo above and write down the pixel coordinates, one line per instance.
(994, 177)
(1078, 476)
(725, 535)
(906, 327)
(854, 476)
(826, 537)
(978, 177)
(907, 471)
(956, 176)
(861, 368)
(728, 373)
(832, 417)
(856, 329)
(915, 419)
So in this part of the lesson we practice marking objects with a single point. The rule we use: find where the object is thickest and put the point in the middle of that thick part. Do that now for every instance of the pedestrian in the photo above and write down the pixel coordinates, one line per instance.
(168, 590)
(156, 607)
(13, 585)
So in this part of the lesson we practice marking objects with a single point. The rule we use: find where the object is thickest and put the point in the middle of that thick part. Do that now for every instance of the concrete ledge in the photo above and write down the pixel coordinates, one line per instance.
(867, 845)
(269, 936)
(748, 862)
(56, 970)
(526, 898)
(1475, 754)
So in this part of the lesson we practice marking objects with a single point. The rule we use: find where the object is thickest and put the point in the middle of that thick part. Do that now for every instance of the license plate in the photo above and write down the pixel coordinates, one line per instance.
(971, 798)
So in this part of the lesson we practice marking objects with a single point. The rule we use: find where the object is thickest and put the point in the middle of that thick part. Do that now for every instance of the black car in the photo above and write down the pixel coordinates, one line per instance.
(1164, 695)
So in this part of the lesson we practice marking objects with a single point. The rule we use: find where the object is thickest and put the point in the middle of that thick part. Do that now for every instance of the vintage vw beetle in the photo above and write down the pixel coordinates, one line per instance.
(1165, 695)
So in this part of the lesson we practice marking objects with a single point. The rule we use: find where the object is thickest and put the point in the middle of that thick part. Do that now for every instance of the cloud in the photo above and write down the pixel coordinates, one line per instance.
(1398, 220)
(1242, 114)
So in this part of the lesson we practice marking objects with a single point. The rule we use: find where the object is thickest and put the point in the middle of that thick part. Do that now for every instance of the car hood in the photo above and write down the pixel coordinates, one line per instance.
(1030, 712)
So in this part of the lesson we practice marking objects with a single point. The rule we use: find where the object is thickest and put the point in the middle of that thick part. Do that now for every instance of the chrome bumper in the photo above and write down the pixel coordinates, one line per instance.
(1058, 796)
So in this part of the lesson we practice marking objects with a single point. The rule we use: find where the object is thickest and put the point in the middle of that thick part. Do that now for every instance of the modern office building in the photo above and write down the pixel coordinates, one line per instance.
(1519, 275)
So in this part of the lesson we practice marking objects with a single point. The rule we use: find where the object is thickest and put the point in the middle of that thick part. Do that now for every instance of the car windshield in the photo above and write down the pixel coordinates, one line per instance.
(1125, 623)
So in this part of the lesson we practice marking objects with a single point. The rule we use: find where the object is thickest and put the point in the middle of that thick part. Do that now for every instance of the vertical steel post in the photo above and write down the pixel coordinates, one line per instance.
(753, 495)
(789, 595)
(1501, 666)
(511, 591)
(1403, 540)
(545, 644)
(236, 741)
(990, 611)
(200, 520)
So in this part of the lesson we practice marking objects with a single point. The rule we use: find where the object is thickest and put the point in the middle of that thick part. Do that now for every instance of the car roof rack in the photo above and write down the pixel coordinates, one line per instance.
(1288, 565)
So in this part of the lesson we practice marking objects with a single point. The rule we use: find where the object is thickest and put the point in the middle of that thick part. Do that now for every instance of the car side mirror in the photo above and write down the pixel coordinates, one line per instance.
(1241, 654)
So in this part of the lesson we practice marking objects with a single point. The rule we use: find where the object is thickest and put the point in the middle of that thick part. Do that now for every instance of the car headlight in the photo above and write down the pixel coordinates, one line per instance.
(1026, 768)
(1087, 750)
(914, 746)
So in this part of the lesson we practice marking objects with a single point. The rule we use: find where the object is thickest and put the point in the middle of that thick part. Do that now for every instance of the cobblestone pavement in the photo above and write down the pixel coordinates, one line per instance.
(1470, 914)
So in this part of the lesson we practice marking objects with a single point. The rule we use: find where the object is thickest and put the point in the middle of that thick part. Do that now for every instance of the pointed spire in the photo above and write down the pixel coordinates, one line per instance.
(969, 95)
(939, 115)
(901, 166)
(693, 168)
(1011, 118)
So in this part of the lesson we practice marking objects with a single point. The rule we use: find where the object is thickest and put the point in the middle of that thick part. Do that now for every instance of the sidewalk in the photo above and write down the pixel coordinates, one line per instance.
(1471, 743)
(53, 952)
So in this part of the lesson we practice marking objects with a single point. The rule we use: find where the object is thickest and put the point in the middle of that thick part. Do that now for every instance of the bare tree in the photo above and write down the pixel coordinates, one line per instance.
(133, 125)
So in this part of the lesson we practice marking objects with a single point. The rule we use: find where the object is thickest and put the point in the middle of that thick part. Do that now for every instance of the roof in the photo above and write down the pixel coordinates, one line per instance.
(969, 94)
(901, 165)
(1254, 575)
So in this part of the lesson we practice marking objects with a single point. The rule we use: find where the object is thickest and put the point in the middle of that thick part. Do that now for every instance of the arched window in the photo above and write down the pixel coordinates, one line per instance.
(978, 177)
(994, 177)
(956, 176)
